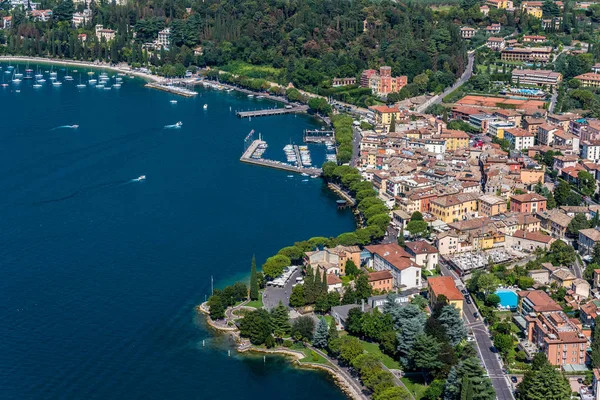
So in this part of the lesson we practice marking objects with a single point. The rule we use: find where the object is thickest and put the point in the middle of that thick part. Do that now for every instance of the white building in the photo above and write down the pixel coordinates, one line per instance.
(519, 139)
(393, 258)
(82, 18)
(591, 150)
(107, 34)
(164, 38)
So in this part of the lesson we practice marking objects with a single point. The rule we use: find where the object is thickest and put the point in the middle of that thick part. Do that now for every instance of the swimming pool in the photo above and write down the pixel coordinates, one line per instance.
(508, 298)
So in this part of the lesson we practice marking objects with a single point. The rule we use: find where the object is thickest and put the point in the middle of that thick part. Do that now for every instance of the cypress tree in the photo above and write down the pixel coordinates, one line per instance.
(596, 344)
(324, 284)
(318, 283)
(253, 281)
(333, 333)
(309, 284)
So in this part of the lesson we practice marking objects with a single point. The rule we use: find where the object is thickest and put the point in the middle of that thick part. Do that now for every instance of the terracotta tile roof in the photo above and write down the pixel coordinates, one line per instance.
(421, 247)
(444, 285)
(333, 279)
(379, 275)
(540, 300)
(394, 254)
(534, 236)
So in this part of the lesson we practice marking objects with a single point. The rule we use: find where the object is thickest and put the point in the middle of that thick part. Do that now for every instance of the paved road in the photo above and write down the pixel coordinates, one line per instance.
(553, 101)
(356, 137)
(485, 347)
(273, 295)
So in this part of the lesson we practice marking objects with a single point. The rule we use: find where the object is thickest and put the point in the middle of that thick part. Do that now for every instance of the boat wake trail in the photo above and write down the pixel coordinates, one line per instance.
(79, 192)
(178, 125)
(65, 127)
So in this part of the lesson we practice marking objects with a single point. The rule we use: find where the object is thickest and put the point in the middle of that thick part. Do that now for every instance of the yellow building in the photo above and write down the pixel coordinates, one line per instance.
(490, 205)
(455, 207)
(534, 12)
(445, 286)
(589, 79)
(384, 114)
(454, 139)
(532, 176)
(501, 4)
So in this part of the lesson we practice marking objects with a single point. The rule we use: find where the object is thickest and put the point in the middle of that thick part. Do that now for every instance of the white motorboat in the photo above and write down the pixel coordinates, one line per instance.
(92, 81)
(141, 178)
(173, 101)
(56, 83)
(205, 106)
(37, 86)
(179, 124)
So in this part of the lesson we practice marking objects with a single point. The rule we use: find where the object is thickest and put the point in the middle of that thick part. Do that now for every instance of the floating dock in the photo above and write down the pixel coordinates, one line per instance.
(271, 111)
(172, 89)
(247, 158)
(319, 136)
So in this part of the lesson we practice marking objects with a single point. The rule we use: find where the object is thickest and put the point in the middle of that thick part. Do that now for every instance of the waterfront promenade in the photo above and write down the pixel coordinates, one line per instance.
(247, 158)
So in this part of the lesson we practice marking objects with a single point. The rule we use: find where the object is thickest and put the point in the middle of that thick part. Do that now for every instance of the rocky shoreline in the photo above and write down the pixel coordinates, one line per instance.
(338, 378)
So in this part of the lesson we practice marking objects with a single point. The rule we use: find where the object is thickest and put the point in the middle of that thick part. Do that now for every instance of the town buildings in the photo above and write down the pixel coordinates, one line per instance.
(164, 38)
(527, 54)
(393, 258)
(103, 33)
(589, 79)
(588, 238)
(528, 203)
(382, 83)
(537, 77)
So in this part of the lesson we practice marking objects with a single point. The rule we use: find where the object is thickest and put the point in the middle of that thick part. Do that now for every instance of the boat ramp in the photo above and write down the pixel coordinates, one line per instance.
(259, 144)
(272, 111)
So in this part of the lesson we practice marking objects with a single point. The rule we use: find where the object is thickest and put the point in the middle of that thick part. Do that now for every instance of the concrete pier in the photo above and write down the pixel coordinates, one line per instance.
(172, 89)
(271, 111)
(247, 158)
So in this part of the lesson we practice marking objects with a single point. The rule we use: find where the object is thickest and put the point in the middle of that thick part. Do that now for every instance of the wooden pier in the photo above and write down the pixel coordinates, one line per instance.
(271, 111)
(247, 158)
(318, 136)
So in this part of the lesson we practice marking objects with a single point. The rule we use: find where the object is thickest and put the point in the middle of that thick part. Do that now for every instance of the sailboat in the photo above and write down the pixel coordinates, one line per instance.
(92, 81)
(28, 72)
(67, 76)
(15, 79)
(17, 74)
(38, 76)
(52, 74)
(4, 84)
(80, 85)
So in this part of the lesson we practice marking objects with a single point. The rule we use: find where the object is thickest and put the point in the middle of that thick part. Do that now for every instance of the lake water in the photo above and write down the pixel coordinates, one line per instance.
(100, 273)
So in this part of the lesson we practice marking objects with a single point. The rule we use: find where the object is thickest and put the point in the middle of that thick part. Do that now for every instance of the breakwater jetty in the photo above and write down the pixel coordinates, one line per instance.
(172, 89)
(247, 158)
(271, 111)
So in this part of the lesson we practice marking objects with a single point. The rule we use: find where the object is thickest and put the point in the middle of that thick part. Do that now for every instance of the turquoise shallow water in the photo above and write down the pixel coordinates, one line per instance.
(100, 273)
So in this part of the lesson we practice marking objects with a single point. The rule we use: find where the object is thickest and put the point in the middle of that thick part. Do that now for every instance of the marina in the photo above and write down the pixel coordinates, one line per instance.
(260, 145)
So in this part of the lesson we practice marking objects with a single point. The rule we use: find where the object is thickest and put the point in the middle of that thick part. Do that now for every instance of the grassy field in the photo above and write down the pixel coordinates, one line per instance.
(253, 71)
(374, 349)
(310, 357)
(414, 383)
(256, 303)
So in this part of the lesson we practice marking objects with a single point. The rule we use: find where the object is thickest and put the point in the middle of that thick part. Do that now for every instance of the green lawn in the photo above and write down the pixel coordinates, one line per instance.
(319, 359)
(328, 318)
(345, 280)
(414, 383)
(374, 349)
(252, 71)
(256, 303)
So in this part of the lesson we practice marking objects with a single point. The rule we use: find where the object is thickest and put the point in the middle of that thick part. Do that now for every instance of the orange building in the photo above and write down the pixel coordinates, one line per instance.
(382, 281)
(528, 203)
(444, 285)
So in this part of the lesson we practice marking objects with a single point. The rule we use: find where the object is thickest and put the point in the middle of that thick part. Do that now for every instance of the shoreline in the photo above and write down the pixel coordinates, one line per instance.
(88, 64)
(341, 382)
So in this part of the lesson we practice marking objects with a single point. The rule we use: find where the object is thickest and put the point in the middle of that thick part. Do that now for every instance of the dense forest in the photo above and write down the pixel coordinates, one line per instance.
(306, 42)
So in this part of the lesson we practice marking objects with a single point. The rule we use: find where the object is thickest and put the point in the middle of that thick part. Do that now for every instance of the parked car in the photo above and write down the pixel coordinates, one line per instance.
(513, 379)
(476, 315)
(468, 300)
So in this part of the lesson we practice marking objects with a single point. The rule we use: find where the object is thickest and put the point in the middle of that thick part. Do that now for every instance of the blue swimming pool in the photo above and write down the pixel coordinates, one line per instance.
(508, 298)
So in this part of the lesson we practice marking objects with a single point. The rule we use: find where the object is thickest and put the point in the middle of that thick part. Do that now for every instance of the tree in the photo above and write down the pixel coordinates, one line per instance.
(596, 344)
(274, 266)
(504, 343)
(416, 216)
(362, 287)
(492, 300)
(321, 336)
(546, 383)
(561, 253)
(297, 298)
(64, 11)
(256, 325)
(216, 307)
(539, 361)
(349, 296)
(425, 353)
(393, 123)
(578, 223)
(303, 328)
(333, 333)
(455, 328)
(351, 269)
(393, 393)
(417, 228)
(253, 281)
(350, 348)
(280, 321)
(434, 390)
(586, 183)
(354, 321)
(469, 370)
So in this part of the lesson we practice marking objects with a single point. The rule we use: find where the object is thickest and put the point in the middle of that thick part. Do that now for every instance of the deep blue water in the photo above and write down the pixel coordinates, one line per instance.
(100, 273)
